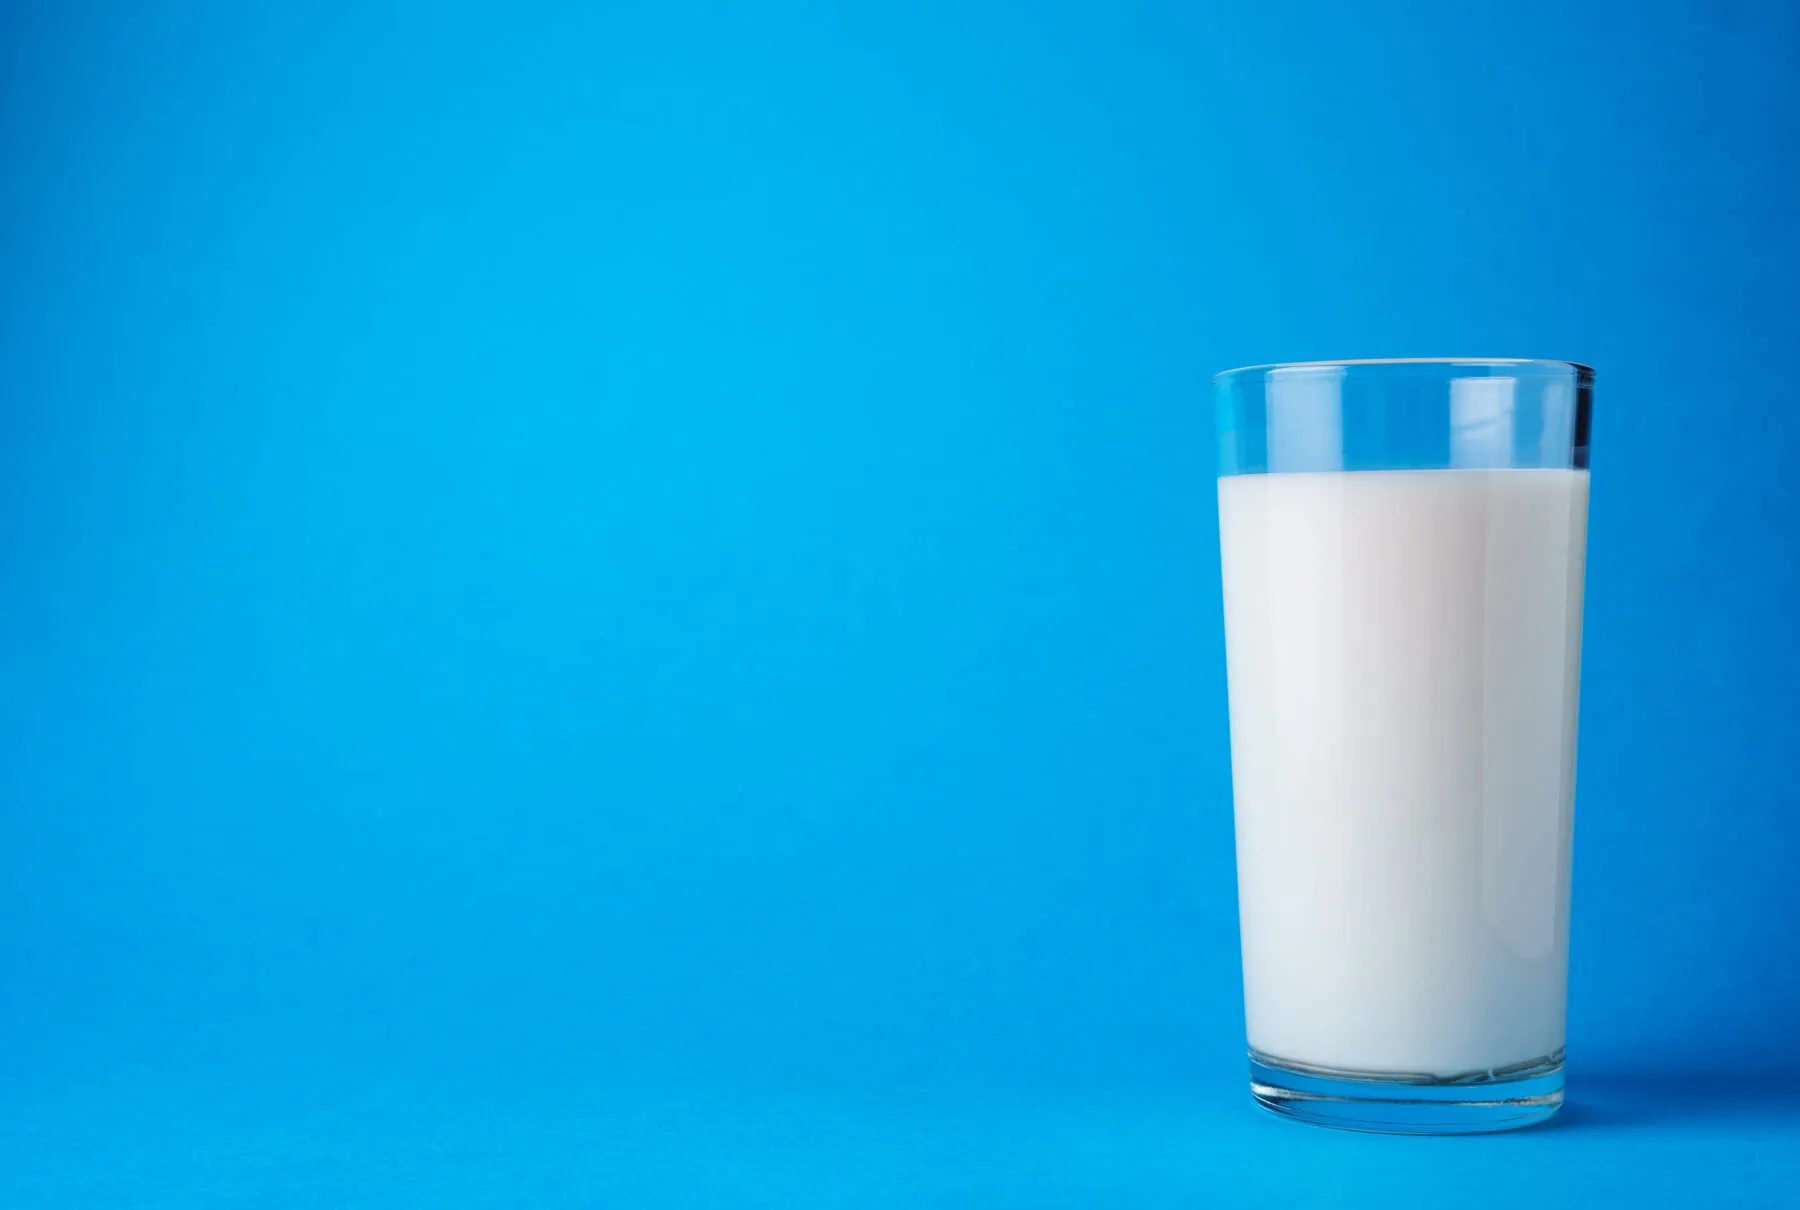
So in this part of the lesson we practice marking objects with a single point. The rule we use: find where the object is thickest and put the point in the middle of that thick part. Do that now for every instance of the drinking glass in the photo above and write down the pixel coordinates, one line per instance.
(1403, 545)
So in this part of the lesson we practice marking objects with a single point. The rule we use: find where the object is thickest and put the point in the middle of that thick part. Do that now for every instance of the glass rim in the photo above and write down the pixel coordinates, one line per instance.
(1529, 366)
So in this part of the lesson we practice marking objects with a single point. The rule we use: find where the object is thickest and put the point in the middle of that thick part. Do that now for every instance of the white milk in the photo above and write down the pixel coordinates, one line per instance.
(1404, 651)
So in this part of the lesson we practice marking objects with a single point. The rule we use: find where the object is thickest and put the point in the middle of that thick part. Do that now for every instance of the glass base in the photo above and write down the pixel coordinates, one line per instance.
(1503, 1099)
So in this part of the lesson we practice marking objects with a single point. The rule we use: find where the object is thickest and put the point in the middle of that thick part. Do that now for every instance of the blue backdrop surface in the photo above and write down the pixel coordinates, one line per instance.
(618, 604)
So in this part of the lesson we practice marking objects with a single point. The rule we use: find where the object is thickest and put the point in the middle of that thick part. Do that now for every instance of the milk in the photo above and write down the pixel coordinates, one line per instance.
(1404, 650)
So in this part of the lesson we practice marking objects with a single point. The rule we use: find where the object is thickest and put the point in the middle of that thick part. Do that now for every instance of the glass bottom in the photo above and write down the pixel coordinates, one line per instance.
(1506, 1098)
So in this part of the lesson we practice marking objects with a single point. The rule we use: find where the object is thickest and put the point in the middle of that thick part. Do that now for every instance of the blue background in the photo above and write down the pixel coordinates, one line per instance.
(618, 604)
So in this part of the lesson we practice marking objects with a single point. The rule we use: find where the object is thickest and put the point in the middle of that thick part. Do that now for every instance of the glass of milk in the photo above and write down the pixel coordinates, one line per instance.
(1403, 545)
